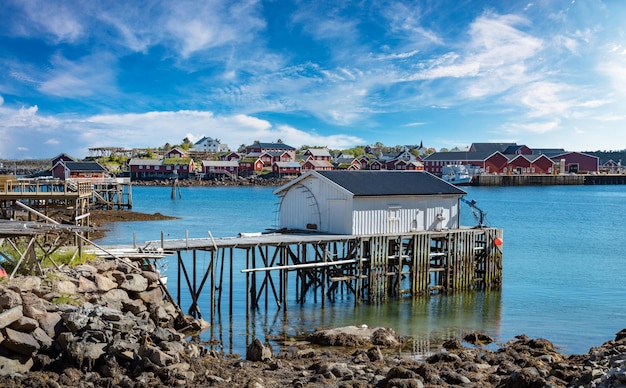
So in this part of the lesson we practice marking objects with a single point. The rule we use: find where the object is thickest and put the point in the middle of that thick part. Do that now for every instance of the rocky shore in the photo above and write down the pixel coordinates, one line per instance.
(111, 324)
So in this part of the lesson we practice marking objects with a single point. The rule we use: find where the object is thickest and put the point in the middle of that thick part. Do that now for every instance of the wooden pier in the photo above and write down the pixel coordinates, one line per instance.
(293, 268)
(549, 179)
(45, 196)
(77, 196)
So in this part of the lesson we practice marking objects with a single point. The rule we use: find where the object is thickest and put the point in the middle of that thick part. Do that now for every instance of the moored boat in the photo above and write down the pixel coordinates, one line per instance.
(458, 175)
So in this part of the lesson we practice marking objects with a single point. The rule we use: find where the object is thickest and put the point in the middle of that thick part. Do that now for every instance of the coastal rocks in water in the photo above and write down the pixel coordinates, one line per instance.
(476, 338)
(256, 351)
(355, 336)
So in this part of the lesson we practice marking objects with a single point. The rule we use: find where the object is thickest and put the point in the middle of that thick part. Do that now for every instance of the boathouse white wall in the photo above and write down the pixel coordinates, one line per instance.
(315, 203)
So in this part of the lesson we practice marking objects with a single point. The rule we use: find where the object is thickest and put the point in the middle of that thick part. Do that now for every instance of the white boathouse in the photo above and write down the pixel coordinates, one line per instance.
(369, 202)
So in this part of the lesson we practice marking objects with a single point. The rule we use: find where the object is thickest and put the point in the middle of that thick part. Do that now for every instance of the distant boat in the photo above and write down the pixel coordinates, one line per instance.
(457, 175)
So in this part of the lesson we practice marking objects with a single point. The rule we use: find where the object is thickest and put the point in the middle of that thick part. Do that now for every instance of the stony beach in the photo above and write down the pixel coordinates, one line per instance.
(110, 324)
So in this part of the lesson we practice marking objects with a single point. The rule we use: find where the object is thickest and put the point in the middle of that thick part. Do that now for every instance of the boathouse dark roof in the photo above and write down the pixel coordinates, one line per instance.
(459, 155)
(390, 183)
(85, 166)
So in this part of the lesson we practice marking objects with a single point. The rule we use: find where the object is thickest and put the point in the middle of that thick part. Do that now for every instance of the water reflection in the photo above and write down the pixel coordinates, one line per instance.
(428, 320)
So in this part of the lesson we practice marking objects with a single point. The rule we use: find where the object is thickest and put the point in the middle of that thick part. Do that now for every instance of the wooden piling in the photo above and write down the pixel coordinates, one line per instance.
(370, 269)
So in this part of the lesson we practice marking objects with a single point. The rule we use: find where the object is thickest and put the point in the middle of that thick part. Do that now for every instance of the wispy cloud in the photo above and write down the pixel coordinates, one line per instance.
(57, 21)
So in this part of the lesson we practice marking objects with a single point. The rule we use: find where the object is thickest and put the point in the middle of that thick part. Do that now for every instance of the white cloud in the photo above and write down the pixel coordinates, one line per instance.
(150, 129)
(55, 19)
(78, 78)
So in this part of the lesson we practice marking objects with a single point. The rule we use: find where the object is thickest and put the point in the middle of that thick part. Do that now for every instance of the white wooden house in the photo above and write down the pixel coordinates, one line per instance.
(369, 202)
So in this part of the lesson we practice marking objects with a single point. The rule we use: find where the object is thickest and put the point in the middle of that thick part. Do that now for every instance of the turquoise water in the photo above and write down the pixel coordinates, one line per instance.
(564, 263)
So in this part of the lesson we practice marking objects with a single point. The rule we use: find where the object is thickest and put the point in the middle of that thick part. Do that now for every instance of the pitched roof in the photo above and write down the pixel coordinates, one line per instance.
(491, 147)
(288, 164)
(451, 156)
(145, 162)
(220, 163)
(390, 183)
(84, 166)
(278, 146)
(318, 151)
(319, 163)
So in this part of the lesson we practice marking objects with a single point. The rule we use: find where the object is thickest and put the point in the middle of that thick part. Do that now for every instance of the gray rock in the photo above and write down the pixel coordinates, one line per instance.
(25, 324)
(154, 296)
(156, 355)
(113, 298)
(15, 365)
(76, 321)
(43, 338)
(86, 270)
(30, 283)
(134, 306)
(34, 307)
(134, 283)
(18, 342)
(9, 299)
(11, 315)
(64, 287)
(384, 337)
(87, 286)
(104, 283)
(51, 323)
(256, 351)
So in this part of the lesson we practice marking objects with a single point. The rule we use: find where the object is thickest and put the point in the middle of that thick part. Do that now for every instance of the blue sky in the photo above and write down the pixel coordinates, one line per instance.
(80, 74)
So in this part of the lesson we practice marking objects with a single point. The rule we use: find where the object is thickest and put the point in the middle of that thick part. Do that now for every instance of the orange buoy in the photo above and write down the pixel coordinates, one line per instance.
(497, 241)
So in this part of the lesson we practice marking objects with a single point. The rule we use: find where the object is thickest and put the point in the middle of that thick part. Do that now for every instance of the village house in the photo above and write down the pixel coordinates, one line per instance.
(208, 144)
(317, 165)
(270, 157)
(258, 148)
(220, 168)
(317, 154)
(141, 169)
(346, 163)
(64, 169)
(576, 163)
(511, 158)
(369, 202)
(286, 169)
(249, 165)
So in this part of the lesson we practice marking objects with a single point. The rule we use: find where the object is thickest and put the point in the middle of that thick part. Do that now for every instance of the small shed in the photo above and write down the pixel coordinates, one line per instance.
(369, 202)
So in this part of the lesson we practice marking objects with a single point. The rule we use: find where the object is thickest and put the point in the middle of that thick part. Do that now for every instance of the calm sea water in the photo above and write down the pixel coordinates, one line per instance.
(564, 267)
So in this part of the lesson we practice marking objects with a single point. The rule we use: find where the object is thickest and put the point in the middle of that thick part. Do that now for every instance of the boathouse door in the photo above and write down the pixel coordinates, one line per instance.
(338, 219)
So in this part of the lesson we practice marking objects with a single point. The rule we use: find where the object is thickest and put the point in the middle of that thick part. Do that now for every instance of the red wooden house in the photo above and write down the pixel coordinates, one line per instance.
(147, 169)
(213, 168)
(258, 148)
(269, 158)
(176, 153)
(250, 165)
(317, 154)
(376, 165)
(282, 169)
(317, 165)
(576, 162)
(74, 170)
